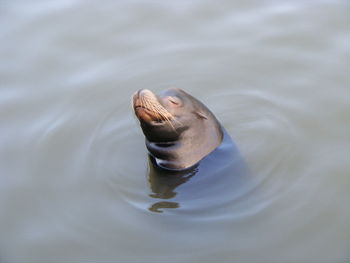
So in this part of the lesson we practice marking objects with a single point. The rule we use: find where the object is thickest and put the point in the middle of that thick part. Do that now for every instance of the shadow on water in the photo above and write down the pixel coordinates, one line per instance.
(209, 184)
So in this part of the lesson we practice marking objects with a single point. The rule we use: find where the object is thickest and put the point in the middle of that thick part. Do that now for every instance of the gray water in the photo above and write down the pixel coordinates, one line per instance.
(73, 165)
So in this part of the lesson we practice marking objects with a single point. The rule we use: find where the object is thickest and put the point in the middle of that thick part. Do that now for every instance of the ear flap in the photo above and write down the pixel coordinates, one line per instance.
(200, 114)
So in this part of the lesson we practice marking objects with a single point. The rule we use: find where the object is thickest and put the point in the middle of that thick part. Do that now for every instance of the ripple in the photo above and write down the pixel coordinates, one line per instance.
(269, 138)
(259, 124)
(115, 156)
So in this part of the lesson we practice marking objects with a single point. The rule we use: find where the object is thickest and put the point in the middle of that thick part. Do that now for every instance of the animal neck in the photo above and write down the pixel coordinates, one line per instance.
(186, 151)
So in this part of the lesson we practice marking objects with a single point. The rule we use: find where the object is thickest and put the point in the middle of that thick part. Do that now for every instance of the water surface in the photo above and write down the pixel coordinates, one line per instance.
(73, 165)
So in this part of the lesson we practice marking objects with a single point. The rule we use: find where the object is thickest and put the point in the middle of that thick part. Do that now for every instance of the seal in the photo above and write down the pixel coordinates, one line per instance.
(179, 129)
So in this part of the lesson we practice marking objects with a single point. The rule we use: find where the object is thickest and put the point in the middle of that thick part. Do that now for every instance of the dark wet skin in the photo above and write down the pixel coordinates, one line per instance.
(181, 133)
(193, 163)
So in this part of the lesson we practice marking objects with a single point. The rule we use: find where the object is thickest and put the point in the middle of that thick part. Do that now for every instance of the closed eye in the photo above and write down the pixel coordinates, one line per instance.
(174, 100)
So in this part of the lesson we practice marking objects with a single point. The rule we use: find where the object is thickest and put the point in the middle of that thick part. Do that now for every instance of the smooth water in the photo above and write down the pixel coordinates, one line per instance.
(73, 164)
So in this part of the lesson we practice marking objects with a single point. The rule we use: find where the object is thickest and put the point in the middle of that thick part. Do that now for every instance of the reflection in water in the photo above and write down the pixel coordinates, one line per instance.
(164, 204)
(164, 182)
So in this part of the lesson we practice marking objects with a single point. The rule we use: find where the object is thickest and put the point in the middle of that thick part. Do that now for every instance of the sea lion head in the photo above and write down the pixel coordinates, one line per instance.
(173, 122)
(166, 116)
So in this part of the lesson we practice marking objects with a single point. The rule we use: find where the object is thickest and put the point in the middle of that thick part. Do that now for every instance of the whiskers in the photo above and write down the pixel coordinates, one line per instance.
(150, 102)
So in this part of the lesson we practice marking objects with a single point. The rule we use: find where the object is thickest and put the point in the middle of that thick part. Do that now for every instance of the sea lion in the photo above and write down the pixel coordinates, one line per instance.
(179, 129)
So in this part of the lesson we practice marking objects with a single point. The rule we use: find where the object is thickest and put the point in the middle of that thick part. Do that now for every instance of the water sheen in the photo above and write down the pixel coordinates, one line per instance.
(74, 172)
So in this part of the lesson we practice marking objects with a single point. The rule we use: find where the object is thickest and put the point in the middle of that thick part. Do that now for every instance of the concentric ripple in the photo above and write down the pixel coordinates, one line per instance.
(269, 138)
(259, 126)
